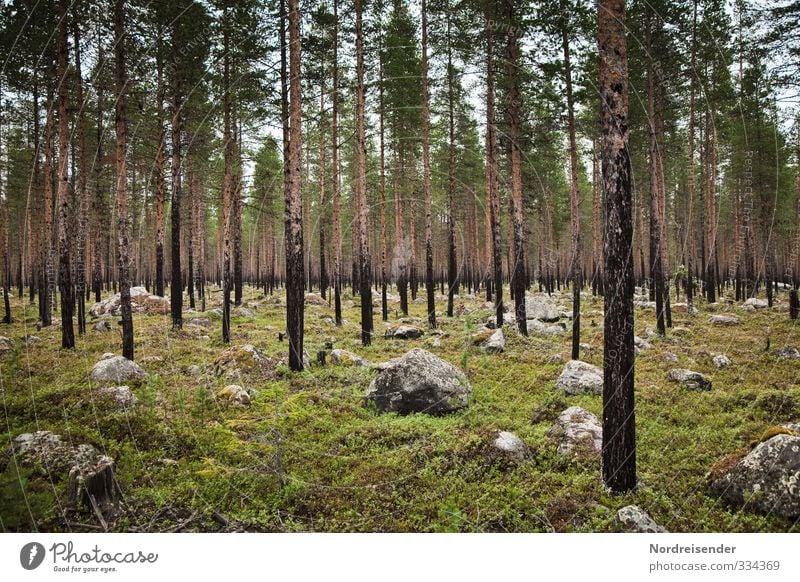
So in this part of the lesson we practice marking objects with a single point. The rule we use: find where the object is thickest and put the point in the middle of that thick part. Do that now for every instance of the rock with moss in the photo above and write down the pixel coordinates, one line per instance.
(723, 320)
(508, 319)
(404, 332)
(234, 394)
(314, 299)
(765, 479)
(721, 361)
(121, 397)
(579, 377)
(537, 327)
(577, 431)
(689, 379)
(511, 446)
(6, 344)
(542, 308)
(345, 358)
(102, 326)
(117, 370)
(419, 381)
(246, 358)
(636, 520)
(490, 340)
(787, 353)
(756, 303)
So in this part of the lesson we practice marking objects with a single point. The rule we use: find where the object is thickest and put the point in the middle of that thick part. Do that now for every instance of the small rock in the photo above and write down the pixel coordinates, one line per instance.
(117, 370)
(102, 326)
(787, 353)
(689, 379)
(419, 382)
(122, 396)
(345, 358)
(539, 328)
(511, 445)
(577, 431)
(542, 308)
(235, 394)
(31, 339)
(493, 342)
(200, 322)
(640, 343)
(579, 377)
(721, 361)
(756, 303)
(243, 312)
(6, 344)
(670, 357)
(508, 319)
(635, 519)
(404, 332)
(194, 370)
(723, 320)
(555, 359)
(312, 299)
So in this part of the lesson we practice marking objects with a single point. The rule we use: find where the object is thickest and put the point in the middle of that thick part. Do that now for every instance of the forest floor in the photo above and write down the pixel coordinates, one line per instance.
(307, 455)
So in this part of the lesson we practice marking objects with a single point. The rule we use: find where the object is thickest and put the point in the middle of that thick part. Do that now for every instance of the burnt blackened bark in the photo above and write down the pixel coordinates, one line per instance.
(619, 438)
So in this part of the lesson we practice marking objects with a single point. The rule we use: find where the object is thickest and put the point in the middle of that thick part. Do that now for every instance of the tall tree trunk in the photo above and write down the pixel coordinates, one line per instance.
(337, 198)
(619, 436)
(430, 289)
(452, 261)
(83, 192)
(323, 199)
(176, 281)
(62, 199)
(236, 191)
(492, 181)
(381, 107)
(573, 191)
(227, 191)
(689, 244)
(293, 214)
(122, 191)
(517, 268)
(98, 199)
(597, 227)
(365, 264)
(48, 276)
(656, 263)
(711, 208)
(161, 188)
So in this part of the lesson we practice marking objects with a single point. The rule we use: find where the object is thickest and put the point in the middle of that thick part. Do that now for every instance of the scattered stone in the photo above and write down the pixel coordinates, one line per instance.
(508, 319)
(539, 328)
(756, 303)
(200, 322)
(107, 355)
(102, 326)
(345, 358)
(419, 382)
(689, 379)
(117, 370)
(245, 357)
(122, 396)
(649, 305)
(141, 302)
(577, 431)
(640, 343)
(721, 361)
(670, 357)
(579, 377)
(555, 359)
(492, 341)
(194, 370)
(723, 320)
(312, 299)
(637, 520)
(511, 446)
(403, 332)
(766, 478)
(243, 312)
(32, 339)
(541, 308)
(6, 344)
(787, 353)
(682, 308)
(235, 394)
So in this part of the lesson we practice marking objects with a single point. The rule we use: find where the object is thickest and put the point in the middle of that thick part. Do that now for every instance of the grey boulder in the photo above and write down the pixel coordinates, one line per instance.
(579, 377)
(117, 370)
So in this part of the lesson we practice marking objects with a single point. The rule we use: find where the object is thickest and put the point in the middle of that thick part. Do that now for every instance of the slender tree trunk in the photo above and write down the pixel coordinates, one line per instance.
(293, 214)
(176, 281)
(573, 191)
(492, 181)
(619, 437)
(161, 189)
(236, 227)
(430, 289)
(227, 191)
(656, 263)
(689, 244)
(122, 191)
(83, 192)
(98, 199)
(323, 200)
(62, 199)
(452, 260)
(365, 264)
(48, 277)
(337, 198)
(381, 105)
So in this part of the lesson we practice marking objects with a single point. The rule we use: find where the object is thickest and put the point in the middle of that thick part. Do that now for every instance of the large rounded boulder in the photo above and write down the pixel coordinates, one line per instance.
(419, 382)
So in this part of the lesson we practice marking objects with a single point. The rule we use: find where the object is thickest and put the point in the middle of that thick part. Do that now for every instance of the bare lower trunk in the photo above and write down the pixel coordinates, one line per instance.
(430, 290)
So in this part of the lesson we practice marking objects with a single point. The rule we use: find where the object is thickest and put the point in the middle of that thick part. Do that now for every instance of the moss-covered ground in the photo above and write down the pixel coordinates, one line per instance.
(306, 455)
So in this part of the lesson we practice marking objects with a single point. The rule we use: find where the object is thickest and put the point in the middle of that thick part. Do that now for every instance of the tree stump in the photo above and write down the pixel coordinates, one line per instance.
(794, 304)
(94, 486)
(321, 357)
